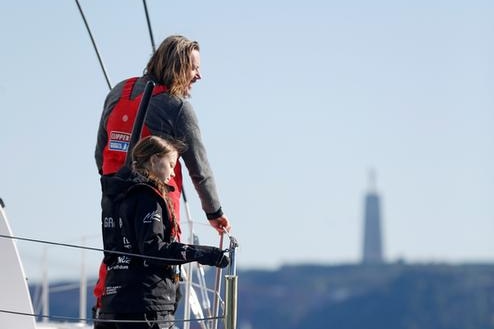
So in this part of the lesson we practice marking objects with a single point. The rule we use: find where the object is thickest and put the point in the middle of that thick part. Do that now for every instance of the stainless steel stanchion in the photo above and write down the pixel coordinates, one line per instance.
(231, 288)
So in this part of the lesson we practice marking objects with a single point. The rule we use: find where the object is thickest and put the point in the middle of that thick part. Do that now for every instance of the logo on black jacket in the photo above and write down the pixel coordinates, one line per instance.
(150, 217)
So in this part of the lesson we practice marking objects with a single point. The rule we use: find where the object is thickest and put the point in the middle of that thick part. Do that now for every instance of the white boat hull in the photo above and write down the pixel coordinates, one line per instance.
(14, 294)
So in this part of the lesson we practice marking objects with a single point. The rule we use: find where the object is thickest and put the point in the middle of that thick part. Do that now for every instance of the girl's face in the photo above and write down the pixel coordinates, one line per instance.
(162, 166)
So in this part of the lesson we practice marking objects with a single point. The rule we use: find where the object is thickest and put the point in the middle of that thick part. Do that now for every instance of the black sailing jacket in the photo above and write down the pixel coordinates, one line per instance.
(135, 220)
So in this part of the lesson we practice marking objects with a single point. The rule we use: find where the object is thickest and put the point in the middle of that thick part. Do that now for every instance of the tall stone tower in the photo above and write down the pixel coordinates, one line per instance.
(372, 246)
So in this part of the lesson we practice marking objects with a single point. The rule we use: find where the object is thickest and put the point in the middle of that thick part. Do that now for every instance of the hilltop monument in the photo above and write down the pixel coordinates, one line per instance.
(372, 244)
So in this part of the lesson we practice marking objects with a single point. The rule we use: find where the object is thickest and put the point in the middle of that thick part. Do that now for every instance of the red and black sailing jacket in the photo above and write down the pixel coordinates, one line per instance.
(119, 127)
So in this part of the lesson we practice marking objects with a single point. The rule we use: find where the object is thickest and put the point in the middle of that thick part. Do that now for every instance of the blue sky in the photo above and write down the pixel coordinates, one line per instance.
(298, 101)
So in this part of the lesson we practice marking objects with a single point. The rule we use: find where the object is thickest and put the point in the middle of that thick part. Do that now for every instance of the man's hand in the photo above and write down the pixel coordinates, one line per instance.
(220, 224)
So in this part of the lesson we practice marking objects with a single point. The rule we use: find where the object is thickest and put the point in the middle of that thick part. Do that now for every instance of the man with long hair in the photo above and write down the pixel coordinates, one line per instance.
(174, 68)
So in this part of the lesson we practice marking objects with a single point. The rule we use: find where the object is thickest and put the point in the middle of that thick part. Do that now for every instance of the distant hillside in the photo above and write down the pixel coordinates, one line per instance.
(392, 296)
(369, 297)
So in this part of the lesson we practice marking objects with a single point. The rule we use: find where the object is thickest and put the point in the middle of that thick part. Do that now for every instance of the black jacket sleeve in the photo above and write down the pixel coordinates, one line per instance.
(152, 228)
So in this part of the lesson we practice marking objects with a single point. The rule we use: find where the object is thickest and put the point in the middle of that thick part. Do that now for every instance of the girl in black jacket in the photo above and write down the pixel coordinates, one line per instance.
(139, 236)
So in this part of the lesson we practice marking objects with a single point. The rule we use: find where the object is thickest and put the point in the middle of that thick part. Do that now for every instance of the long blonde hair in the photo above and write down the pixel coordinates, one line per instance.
(172, 62)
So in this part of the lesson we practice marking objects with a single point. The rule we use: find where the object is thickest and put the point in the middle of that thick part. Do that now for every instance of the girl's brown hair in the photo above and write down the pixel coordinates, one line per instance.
(141, 155)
